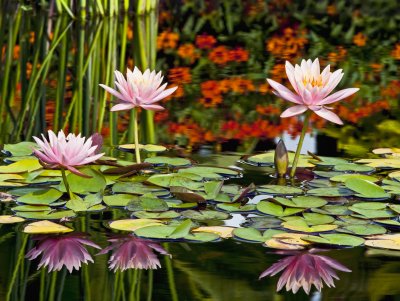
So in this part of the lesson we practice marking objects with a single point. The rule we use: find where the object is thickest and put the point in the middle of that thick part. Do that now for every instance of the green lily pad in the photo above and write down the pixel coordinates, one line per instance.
(147, 203)
(366, 229)
(328, 161)
(210, 172)
(24, 148)
(326, 174)
(330, 192)
(302, 202)
(319, 183)
(279, 190)
(237, 208)
(21, 166)
(267, 159)
(342, 240)
(187, 195)
(138, 189)
(271, 208)
(119, 200)
(366, 188)
(344, 177)
(263, 222)
(40, 197)
(178, 204)
(302, 226)
(254, 235)
(31, 208)
(205, 215)
(201, 237)
(151, 148)
(77, 184)
(156, 215)
(332, 210)
(312, 218)
(351, 167)
(182, 180)
(55, 215)
(170, 161)
(371, 213)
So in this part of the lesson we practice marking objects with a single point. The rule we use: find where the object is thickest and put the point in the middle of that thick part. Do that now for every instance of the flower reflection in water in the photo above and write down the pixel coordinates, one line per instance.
(130, 252)
(62, 250)
(304, 269)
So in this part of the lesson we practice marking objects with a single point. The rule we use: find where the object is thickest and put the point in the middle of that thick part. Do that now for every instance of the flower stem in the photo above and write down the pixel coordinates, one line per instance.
(136, 136)
(300, 145)
(64, 176)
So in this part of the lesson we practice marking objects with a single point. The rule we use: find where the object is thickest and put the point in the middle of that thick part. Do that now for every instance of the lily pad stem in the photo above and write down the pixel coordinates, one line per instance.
(300, 145)
(136, 136)
(64, 176)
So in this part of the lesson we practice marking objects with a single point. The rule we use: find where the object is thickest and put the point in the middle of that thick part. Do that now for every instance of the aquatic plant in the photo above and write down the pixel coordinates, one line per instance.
(62, 250)
(139, 90)
(305, 269)
(130, 252)
(67, 152)
(312, 88)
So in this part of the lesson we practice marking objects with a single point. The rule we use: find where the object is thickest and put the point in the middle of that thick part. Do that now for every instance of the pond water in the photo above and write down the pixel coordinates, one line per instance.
(218, 53)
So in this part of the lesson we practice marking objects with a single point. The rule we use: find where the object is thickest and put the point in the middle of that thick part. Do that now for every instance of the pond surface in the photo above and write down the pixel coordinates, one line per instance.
(218, 54)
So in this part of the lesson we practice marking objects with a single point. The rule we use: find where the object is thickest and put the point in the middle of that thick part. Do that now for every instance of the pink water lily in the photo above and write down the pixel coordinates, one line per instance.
(67, 152)
(62, 250)
(139, 90)
(312, 89)
(304, 269)
(130, 252)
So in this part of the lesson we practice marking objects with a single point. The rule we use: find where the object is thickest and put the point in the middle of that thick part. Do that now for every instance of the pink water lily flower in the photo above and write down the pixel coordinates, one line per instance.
(130, 252)
(62, 250)
(312, 89)
(67, 152)
(305, 269)
(139, 90)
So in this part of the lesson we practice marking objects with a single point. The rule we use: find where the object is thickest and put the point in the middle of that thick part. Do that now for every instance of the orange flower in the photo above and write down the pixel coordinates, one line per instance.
(180, 75)
(331, 10)
(360, 39)
(167, 40)
(242, 85)
(376, 67)
(188, 51)
(288, 45)
(205, 41)
(264, 88)
(338, 55)
(219, 55)
(211, 101)
(238, 55)
(278, 72)
(396, 52)
(32, 37)
(161, 116)
(210, 88)
(129, 33)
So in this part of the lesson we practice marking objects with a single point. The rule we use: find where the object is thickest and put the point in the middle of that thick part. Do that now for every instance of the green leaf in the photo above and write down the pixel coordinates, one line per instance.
(170, 161)
(205, 215)
(41, 197)
(25, 165)
(24, 148)
(366, 188)
(271, 208)
(344, 240)
(119, 200)
(279, 190)
(182, 230)
(302, 202)
(147, 203)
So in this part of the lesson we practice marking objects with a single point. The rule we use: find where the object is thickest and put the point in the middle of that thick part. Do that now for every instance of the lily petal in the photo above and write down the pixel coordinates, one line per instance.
(329, 115)
(293, 111)
(338, 96)
(284, 92)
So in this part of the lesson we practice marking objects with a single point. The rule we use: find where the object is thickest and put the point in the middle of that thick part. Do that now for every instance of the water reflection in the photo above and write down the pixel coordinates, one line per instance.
(67, 250)
(129, 252)
(305, 269)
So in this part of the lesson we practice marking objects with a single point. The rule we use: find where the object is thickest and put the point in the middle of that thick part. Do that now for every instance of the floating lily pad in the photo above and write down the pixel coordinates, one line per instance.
(287, 241)
(237, 207)
(328, 161)
(279, 190)
(31, 208)
(344, 177)
(271, 208)
(319, 183)
(201, 237)
(147, 203)
(254, 235)
(24, 148)
(342, 240)
(187, 195)
(386, 241)
(302, 226)
(267, 159)
(49, 215)
(332, 210)
(119, 200)
(326, 174)
(180, 180)
(211, 172)
(177, 204)
(330, 192)
(46, 227)
(351, 167)
(302, 202)
(171, 161)
(371, 213)
(151, 148)
(156, 215)
(221, 231)
(262, 222)
(133, 224)
(21, 166)
(366, 229)
(138, 189)
(312, 218)
(10, 219)
(41, 197)
(77, 184)
(366, 188)
(205, 215)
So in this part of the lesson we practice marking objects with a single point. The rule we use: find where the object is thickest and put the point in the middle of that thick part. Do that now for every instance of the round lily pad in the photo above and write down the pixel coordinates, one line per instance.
(133, 224)
(156, 215)
(118, 200)
(254, 235)
(10, 219)
(47, 214)
(344, 177)
(302, 202)
(236, 207)
(45, 227)
(205, 215)
(366, 229)
(366, 188)
(279, 190)
(171, 161)
(271, 208)
(330, 192)
(340, 240)
(351, 167)
(40, 197)
(151, 148)
(302, 226)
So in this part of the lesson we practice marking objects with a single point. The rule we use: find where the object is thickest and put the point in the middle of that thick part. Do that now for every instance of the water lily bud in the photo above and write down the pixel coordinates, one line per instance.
(281, 159)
